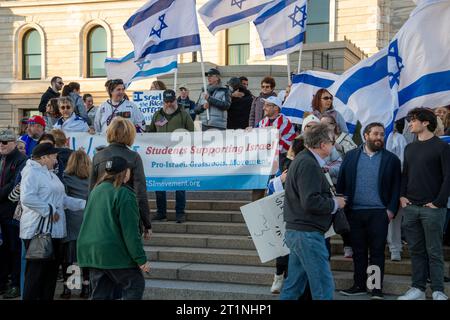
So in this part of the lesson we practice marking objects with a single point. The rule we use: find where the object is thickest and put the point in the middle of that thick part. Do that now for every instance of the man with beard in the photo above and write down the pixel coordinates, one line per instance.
(370, 177)
(35, 129)
(168, 119)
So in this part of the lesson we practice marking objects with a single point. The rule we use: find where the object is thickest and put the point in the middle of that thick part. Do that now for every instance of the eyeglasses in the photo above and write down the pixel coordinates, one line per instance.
(5, 143)
(327, 98)
(65, 107)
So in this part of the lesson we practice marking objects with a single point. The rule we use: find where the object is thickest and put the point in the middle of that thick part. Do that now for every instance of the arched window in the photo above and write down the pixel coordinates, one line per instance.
(31, 55)
(318, 25)
(96, 52)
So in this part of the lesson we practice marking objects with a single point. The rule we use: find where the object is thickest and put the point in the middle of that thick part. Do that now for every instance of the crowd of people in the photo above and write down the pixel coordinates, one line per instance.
(96, 212)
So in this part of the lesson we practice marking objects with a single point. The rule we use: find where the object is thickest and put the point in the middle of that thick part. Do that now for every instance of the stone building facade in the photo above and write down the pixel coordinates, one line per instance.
(354, 29)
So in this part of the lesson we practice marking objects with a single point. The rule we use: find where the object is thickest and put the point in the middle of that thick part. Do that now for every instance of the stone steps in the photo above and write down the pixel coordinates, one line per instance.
(217, 228)
(208, 216)
(215, 205)
(201, 241)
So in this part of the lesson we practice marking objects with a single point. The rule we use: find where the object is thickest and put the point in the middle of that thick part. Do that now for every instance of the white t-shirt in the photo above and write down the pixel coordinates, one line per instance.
(125, 109)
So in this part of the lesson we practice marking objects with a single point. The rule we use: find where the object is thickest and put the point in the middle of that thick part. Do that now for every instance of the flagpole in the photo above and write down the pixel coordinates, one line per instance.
(175, 79)
(299, 60)
(288, 69)
(203, 78)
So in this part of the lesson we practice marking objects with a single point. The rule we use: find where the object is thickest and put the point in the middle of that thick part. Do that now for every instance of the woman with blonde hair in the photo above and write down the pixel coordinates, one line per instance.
(76, 179)
(120, 136)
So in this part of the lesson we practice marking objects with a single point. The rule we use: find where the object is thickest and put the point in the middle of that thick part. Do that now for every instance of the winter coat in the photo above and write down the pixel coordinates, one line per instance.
(162, 122)
(219, 102)
(239, 111)
(77, 188)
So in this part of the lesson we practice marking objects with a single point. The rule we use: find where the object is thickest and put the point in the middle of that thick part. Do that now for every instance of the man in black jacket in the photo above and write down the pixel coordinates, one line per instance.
(370, 178)
(241, 103)
(308, 210)
(11, 163)
(52, 92)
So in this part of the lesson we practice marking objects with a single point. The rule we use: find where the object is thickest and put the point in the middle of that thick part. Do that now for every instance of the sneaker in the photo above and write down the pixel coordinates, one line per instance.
(277, 283)
(348, 252)
(160, 218)
(446, 279)
(439, 295)
(12, 293)
(180, 220)
(396, 256)
(377, 294)
(353, 291)
(413, 294)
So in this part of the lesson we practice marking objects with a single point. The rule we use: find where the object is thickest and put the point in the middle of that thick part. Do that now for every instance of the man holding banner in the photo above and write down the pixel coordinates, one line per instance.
(168, 119)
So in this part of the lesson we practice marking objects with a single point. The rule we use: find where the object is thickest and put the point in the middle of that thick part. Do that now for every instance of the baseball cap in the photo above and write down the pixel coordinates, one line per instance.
(43, 149)
(212, 71)
(234, 82)
(169, 95)
(308, 119)
(37, 120)
(116, 165)
(273, 100)
(7, 135)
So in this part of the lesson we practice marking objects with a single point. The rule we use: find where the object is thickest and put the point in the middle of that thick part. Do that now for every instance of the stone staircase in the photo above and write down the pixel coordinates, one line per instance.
(211, 256)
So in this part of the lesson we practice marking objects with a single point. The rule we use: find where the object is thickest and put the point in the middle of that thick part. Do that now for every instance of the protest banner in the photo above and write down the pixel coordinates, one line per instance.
(148, 102)
(212, 160)
(265, 222)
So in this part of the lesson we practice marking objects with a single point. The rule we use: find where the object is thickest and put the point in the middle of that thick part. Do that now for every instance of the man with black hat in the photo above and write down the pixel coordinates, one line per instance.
(217, 100)
(168, 119)
(241, 103)
(11, 163)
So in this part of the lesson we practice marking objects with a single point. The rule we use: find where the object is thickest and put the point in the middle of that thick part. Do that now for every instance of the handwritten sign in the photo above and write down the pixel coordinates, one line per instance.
(265, 222)
(148, 102)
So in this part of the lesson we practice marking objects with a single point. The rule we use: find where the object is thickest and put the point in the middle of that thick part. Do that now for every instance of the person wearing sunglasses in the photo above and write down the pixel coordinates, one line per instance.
(117, 106)
(11, 163)
(56, 84)
(257, 109)
(69, 121)
(322, 104)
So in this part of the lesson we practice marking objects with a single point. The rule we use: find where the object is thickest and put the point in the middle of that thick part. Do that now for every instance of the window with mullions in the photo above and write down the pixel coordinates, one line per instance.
(96, 52)
(31, 62)
(318, 27)
(238, 44)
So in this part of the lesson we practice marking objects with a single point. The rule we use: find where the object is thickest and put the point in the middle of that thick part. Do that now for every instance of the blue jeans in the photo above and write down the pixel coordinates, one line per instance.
(308, 261)
(180, 203)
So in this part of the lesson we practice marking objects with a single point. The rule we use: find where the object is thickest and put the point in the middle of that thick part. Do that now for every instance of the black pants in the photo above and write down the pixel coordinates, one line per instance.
(105, 282)
(10, 253)
(368, 232)
(41, 276)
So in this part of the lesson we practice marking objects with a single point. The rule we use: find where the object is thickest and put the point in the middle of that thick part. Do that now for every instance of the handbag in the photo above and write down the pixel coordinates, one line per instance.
(339, 221)
(41, 245)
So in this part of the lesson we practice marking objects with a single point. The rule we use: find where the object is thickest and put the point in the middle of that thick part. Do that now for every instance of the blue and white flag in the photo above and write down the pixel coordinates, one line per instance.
(419, 64)
(365, 89)
(163, 28)
(223, 14)
(125, 68)
(281, 27)
(304, 87)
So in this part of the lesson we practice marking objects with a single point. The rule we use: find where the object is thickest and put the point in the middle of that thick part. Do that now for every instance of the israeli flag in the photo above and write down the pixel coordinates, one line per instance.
(304, 87)
(419, 64)
(365, 89)
(223, 14)
(125, 68)
(163, 28)
(281, 27)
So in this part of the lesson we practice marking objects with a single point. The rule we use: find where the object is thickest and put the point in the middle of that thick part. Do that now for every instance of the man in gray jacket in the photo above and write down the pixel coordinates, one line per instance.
(308, 210)
(217, 100)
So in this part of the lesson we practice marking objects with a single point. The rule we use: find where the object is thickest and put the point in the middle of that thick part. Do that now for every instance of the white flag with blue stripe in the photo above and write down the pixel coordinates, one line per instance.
(125, 68)
(163, 28)
(281, 27)
(419, 63)
(304, 87)
(223, 14)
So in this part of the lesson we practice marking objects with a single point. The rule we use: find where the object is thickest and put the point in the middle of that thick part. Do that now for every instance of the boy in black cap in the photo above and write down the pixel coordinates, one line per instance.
(168, 119)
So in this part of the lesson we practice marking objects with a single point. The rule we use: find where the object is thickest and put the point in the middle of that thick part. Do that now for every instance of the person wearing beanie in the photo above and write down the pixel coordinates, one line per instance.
(109, 242)
(44, 200)
(35, 129)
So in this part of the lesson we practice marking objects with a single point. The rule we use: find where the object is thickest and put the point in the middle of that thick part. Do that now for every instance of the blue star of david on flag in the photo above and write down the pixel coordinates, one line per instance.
(237, 3)
(161, 28)
(301, 22)
(393, 55)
